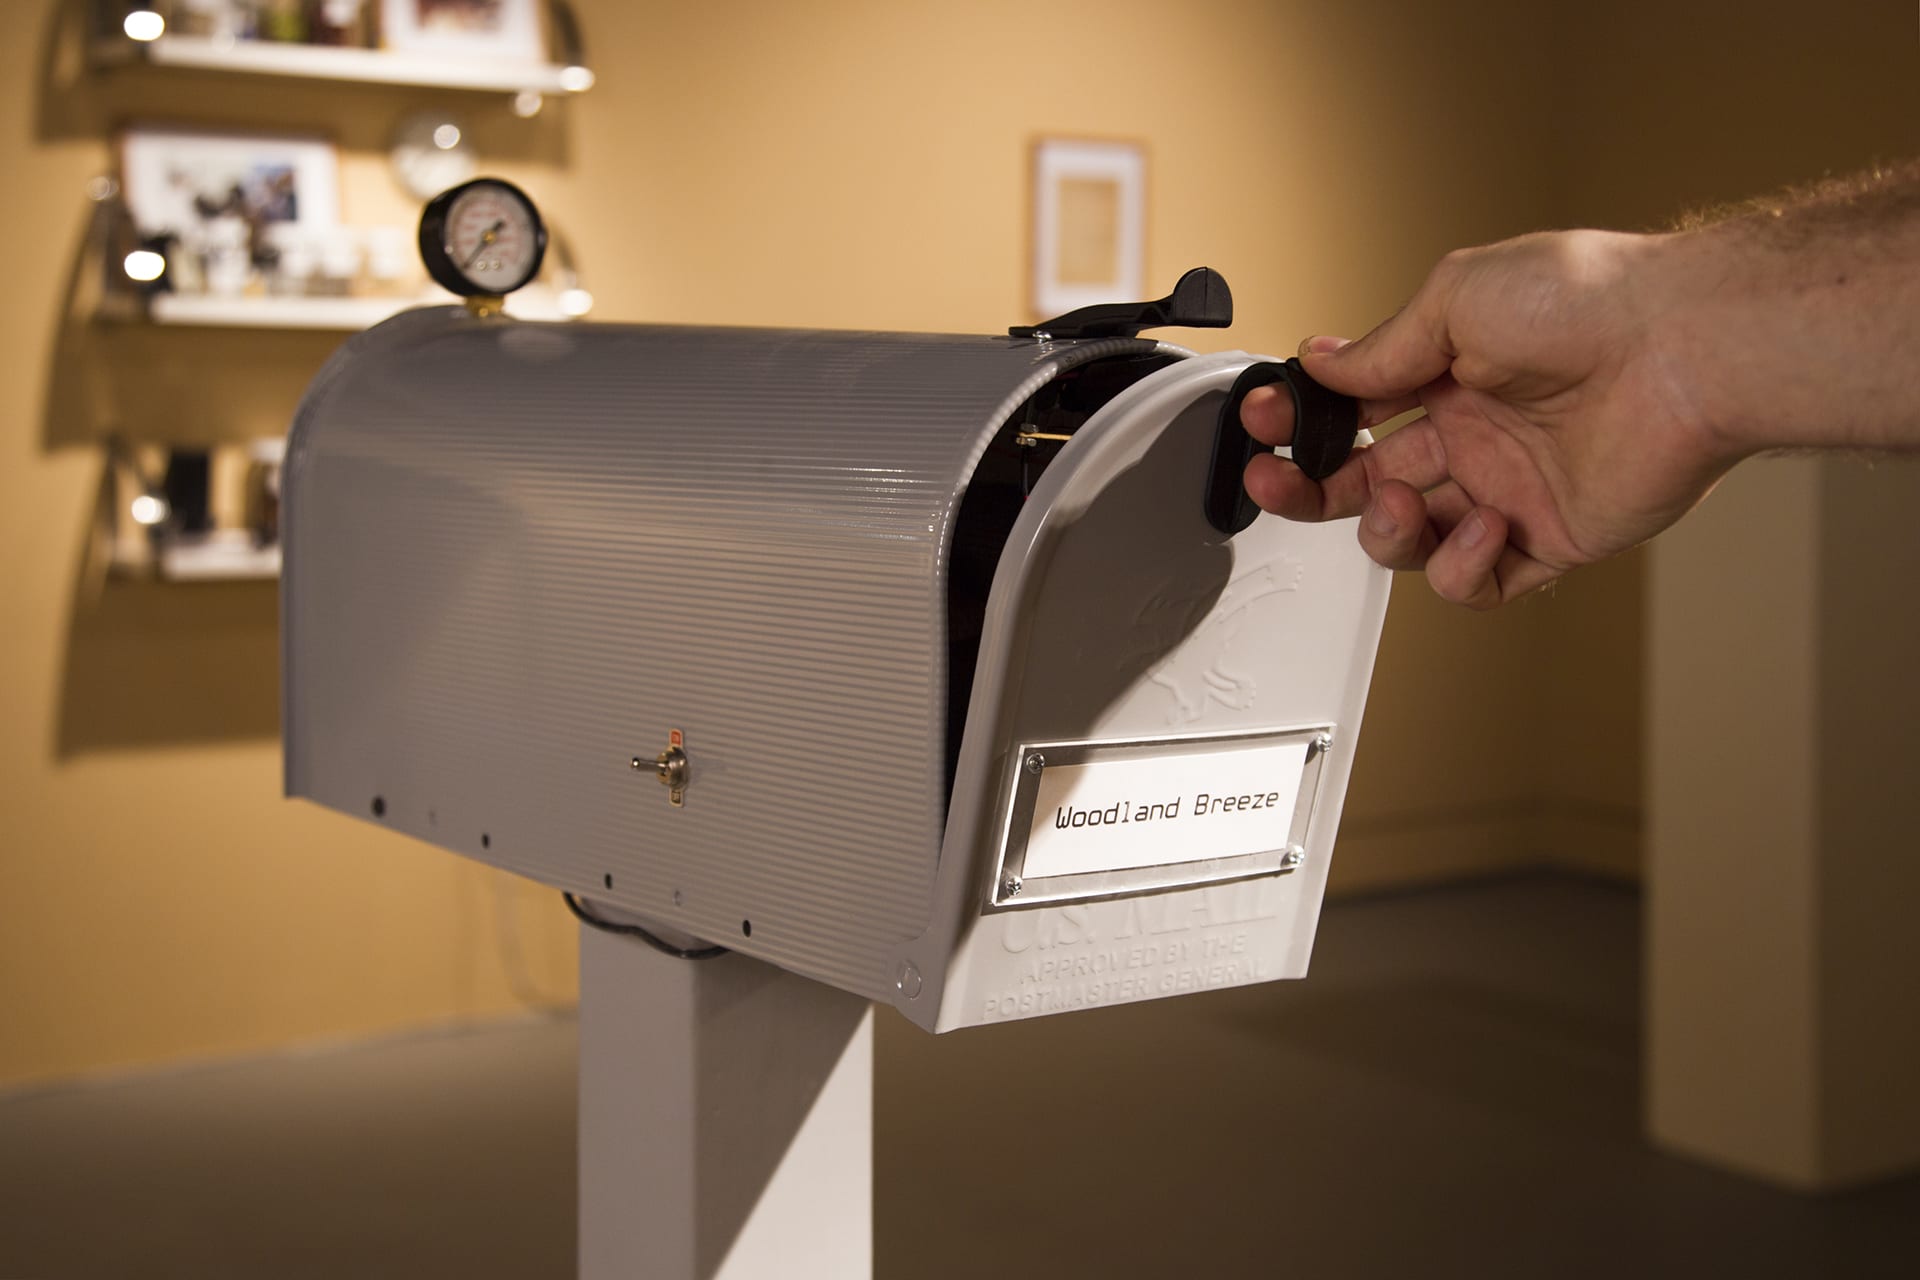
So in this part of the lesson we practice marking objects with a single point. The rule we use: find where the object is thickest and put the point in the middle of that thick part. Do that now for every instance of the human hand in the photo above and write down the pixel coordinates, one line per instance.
(1561, 424)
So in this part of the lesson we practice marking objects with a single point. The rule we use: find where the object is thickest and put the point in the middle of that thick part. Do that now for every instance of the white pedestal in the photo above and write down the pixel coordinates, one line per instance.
(726, 1120)
(1783, 722)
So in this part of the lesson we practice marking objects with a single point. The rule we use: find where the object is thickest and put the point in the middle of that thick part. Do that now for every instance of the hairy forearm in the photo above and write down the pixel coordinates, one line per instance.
(1798, 318)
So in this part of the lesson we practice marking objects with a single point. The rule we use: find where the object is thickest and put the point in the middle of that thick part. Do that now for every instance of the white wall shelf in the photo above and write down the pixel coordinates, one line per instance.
(363, 66)
(225, 555)
(535, 302)
(221, 555)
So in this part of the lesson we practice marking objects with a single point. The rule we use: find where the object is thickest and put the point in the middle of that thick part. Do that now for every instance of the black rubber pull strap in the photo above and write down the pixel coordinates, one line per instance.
(1325, 424)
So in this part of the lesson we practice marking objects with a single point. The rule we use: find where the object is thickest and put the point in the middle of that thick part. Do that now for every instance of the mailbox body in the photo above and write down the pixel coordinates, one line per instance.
(922, 708)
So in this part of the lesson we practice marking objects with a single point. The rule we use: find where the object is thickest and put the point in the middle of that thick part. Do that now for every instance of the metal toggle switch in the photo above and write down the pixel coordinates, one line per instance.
(670, 766)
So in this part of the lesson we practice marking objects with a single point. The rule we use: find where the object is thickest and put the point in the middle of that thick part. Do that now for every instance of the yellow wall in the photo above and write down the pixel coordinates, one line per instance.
(833, 165)
(1662, 109)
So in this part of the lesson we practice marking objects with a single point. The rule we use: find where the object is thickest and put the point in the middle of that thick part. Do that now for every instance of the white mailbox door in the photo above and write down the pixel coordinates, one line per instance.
(1160, 735)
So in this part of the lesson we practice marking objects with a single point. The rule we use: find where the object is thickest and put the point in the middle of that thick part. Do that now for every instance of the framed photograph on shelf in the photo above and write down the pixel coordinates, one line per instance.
(178, 180)
(220, 206)
(1089, 223)
(499, 30)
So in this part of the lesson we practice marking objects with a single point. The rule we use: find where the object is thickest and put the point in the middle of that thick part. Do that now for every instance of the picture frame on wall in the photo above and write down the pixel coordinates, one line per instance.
(1089, 223)
(497, 30)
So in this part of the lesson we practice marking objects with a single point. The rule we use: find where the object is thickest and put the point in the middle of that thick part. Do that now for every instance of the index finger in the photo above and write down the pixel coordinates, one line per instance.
(1413, 454)
(1267, 413)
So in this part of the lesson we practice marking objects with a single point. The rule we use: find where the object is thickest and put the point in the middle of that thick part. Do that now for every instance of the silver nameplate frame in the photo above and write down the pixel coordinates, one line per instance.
(1031, 872)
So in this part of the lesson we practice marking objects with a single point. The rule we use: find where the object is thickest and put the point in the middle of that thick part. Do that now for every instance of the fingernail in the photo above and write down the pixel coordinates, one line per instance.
(1380, 520)
(1474, 531)
(1306, 346)
(1320, 344)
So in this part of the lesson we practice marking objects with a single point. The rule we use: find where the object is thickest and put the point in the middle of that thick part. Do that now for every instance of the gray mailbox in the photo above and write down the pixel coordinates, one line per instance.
(969, 690)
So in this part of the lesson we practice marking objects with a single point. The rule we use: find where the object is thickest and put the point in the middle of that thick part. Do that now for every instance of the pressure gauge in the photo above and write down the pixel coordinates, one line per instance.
(482, 238)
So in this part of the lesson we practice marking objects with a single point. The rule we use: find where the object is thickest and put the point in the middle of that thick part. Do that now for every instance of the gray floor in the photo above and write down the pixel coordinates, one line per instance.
(1452, 1093)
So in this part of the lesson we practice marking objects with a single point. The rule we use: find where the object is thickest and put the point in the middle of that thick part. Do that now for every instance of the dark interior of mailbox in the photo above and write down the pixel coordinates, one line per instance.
(1006, 474)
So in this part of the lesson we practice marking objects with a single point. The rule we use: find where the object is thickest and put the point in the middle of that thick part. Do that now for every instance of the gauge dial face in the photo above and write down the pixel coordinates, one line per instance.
(488, 237)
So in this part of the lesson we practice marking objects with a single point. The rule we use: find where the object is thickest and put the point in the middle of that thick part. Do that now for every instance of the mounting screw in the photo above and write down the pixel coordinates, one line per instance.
(1035, 762)
(1010, 887)
(1292, 858)
(1323, 742)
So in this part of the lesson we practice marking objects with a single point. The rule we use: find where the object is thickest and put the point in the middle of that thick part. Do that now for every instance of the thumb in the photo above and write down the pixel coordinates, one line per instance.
(1400, 356)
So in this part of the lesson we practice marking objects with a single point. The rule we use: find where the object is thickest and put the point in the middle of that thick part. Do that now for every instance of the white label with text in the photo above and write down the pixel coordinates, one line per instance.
(1117, 814)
